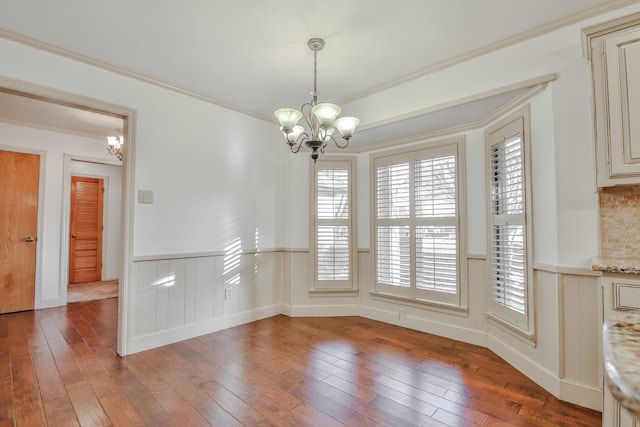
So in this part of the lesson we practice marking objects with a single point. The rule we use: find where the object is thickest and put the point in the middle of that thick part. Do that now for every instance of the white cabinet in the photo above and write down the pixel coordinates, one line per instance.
(619, 293)
(615, 61)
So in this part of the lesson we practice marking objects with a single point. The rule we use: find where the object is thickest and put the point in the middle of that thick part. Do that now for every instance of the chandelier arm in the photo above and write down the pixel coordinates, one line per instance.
(337, 144)
(297, 144)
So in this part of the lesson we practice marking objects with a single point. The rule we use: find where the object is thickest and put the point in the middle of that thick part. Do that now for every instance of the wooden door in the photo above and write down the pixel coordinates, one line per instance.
(19, 175)
(85, 247)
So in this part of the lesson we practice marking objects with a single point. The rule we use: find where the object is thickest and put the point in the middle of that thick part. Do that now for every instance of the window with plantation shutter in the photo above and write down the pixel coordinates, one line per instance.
(333, 230)
(508, 228)
(417, 232)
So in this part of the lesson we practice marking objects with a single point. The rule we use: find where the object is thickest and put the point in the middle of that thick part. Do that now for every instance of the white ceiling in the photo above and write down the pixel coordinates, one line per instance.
(252, 55)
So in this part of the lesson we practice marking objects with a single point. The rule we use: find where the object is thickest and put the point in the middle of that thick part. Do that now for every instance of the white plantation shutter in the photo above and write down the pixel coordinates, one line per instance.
(435, 187)
(392, 189)
(437, 258)
(436, 244)
(333, 216)
(417, 224)
(508, 267)
(508, 232)
(394, 255)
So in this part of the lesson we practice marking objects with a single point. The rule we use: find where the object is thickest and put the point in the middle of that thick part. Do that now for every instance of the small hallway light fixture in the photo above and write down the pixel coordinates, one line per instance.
(115, 144)
(322, 118)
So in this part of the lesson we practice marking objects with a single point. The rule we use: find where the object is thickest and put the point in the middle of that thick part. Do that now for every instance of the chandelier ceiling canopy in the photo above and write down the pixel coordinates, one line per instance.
(321, 118)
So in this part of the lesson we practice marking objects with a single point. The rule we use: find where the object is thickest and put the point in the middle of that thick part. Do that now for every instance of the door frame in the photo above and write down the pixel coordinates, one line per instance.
(40, 213)
(128, 114)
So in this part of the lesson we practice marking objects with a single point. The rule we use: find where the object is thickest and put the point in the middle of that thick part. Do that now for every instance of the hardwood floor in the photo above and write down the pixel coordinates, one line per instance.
(89, 291)
(58, 368)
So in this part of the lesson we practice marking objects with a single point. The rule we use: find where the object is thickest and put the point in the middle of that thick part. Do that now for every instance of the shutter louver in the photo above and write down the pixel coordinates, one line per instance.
(392, 191)
(394, 257)
(508, 266)
(333, 252)
(508, 249)
(435, 183)
(507, 177)
(333, 227)
(437, 258)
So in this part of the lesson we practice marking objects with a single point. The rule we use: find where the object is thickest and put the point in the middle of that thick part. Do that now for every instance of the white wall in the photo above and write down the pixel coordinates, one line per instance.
(216, 178)
(50, 290)
(112, 175)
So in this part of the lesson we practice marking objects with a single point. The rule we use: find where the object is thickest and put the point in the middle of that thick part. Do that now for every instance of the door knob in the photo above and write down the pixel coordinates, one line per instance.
(73, 235)
(29, 239)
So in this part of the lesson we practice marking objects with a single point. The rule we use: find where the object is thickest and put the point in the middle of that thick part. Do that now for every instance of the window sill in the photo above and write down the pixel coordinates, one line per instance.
(421, 303)
(505, 325)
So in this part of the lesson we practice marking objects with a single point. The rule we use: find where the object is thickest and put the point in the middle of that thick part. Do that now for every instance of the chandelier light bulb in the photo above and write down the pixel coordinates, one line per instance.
(346, 126)
(295, 132)
(288, 118)
(326, 113)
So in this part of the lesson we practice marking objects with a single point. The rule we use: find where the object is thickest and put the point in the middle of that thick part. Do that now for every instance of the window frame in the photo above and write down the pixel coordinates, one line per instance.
(438, 300)
(330, 287)
(505, 129)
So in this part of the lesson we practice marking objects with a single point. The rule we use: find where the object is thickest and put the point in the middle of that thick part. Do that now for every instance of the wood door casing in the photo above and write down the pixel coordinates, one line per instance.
(85, 240)
(19, 182)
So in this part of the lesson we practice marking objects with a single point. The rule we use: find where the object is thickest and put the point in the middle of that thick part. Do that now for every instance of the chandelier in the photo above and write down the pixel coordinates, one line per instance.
(115, 143)
(321, 118)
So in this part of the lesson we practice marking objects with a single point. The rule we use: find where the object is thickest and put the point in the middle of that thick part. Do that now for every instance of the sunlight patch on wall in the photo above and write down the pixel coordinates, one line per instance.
(166, 281)
(231, 266)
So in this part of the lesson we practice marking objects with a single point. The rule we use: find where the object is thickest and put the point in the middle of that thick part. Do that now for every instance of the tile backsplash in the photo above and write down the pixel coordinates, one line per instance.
(620, 222)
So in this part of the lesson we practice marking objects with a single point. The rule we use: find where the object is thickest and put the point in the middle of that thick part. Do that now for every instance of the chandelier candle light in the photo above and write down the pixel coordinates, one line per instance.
(114, 144)
(321, 118)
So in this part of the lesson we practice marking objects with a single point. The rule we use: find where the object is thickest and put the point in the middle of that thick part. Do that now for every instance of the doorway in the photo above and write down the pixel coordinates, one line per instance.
(94, 230)
(53, 250)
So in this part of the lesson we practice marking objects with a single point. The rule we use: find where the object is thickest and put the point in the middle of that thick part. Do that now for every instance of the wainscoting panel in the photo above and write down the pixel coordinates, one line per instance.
(581, 329)
(179, 297)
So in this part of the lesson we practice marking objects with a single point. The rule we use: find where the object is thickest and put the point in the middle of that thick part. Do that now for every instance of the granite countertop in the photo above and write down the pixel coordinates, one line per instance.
(621, 345)
(607, 265)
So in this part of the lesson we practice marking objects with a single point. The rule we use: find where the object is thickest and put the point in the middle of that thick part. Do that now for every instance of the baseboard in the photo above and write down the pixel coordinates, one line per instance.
(171, 336)
(539, 374)
(446, 330)
(582, 395)
(286, 309)
(49, 303)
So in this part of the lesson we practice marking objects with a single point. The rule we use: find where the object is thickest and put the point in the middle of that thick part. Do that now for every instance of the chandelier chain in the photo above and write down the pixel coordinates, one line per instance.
(315, 75)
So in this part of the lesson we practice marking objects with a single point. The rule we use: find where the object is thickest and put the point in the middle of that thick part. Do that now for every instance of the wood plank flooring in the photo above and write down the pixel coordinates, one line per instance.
(58, 367)
(89, 291)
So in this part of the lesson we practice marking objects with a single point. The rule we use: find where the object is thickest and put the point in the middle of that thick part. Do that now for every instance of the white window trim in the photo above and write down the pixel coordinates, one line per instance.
(328, 288)
(459, 304)
(520, 324)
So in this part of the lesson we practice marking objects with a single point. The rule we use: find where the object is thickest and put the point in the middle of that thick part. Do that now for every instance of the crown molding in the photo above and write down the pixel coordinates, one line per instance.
(47, 47)
(527, 35)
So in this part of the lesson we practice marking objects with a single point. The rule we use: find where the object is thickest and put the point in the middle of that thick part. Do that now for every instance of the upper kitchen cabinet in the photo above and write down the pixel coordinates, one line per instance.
(614, 51)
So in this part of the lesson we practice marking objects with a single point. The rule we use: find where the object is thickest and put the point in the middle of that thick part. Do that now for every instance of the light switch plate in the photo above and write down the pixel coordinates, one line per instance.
(145, 196)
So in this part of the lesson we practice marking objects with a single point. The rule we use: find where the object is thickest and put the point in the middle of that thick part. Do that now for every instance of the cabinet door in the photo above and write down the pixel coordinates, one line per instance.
(622, 54)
